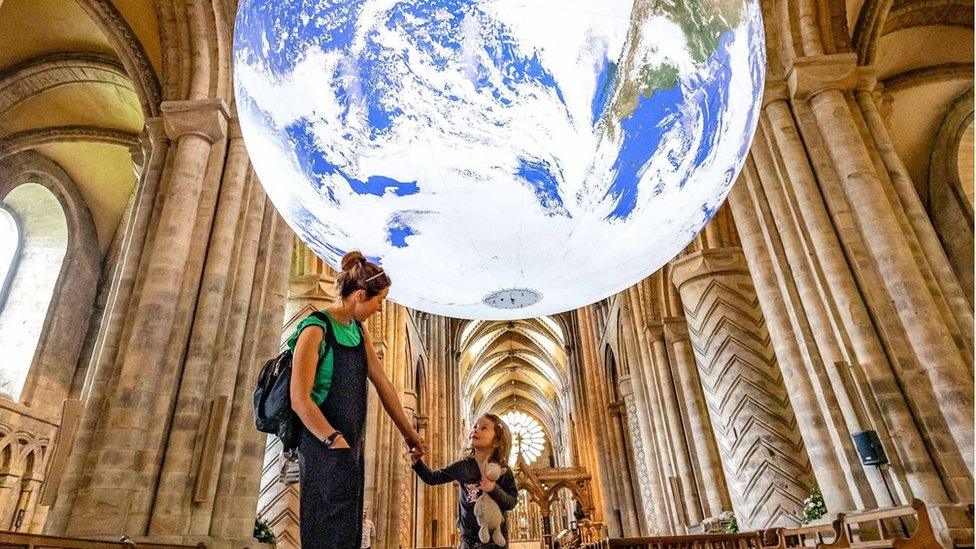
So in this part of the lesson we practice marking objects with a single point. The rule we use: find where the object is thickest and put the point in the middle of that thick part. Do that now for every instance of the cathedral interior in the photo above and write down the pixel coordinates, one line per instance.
(831, 296)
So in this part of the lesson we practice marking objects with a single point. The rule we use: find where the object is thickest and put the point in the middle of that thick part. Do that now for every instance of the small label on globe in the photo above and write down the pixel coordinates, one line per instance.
(514, 298)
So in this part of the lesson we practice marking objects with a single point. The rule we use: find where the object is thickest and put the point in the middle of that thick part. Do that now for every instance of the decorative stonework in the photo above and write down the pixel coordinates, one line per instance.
(648, 501)
(28, 139)
(119, 34)
(765, 462)
(35, 76)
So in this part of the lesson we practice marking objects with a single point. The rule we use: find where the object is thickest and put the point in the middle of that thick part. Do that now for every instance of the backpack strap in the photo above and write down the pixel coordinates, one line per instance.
(316, 318)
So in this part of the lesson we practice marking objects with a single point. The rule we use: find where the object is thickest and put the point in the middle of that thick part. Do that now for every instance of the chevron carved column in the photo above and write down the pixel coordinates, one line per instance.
(766, 465)
(311, 288)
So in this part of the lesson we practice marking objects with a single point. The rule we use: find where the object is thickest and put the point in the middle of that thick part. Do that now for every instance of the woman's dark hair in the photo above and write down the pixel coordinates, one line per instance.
(359, 274)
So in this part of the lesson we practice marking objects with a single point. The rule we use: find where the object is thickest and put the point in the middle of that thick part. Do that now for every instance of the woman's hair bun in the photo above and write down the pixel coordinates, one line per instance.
(352, 259)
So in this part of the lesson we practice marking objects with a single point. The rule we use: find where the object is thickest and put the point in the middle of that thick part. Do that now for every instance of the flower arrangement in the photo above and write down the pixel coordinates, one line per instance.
(813, 507)
(263, 533)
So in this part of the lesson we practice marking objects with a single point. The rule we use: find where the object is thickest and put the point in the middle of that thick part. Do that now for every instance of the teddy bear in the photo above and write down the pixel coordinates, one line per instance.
(488, 513)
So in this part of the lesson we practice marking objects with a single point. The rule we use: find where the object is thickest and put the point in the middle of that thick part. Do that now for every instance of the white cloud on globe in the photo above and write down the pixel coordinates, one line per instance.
(502, 159)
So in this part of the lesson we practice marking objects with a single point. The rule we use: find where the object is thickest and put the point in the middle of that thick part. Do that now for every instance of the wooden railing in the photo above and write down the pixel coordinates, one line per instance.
(744, 540)
(903, 527)
(16, 540)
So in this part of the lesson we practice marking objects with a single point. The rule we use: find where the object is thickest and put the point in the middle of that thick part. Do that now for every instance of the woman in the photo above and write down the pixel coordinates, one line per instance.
(328, 393)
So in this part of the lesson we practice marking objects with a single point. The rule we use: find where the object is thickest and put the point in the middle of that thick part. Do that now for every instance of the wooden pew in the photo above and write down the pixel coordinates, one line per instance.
(804, 536)
(743, 540)
(17, 540)
(874, 529)
(889, 526)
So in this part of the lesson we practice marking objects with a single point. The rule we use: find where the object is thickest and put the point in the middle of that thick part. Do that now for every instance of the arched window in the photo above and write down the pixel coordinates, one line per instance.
(32, 276)
(528, 438)
(9, 247)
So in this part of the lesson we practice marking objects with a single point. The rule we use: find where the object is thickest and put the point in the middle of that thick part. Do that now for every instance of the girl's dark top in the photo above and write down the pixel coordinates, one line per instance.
(468, 476)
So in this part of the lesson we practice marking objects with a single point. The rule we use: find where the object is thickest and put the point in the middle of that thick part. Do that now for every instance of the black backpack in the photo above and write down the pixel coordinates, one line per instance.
(272, 397)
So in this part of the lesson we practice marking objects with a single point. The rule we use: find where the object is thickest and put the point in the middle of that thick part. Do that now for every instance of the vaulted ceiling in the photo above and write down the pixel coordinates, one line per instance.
(518, 365)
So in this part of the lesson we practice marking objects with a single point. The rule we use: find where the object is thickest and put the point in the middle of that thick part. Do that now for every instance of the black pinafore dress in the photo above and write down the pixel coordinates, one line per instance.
(331, 480)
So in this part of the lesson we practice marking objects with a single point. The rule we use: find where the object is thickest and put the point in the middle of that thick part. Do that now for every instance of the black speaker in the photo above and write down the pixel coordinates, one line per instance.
(869, 448)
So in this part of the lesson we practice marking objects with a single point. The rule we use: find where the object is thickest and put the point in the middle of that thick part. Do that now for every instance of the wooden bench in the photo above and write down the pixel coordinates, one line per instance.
(811, 535)
(17, 540)
(903, 527)
(744, 540)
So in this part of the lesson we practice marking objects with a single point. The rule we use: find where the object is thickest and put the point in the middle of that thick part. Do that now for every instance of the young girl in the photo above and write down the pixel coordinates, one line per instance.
(489, 441)
(328, 393)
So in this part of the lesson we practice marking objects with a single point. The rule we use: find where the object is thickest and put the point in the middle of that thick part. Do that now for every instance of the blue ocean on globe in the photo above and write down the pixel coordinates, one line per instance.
(500, 158)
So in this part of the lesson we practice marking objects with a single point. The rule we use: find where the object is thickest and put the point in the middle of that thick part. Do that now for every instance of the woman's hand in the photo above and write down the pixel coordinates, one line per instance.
(416, 454)
(416, 442)
(486, 485)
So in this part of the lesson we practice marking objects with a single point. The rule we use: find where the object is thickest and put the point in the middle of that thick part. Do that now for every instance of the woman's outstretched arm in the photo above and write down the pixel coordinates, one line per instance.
(388, 396)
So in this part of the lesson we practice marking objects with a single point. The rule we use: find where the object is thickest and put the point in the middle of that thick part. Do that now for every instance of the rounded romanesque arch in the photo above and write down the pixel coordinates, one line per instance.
(950, 186)
(63, 323)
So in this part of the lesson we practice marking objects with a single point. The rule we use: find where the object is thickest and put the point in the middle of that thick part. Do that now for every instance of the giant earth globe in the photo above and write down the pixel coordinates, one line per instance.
(500, 159)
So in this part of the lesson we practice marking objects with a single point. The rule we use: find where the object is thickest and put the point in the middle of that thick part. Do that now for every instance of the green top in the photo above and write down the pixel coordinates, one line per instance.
(346, 335)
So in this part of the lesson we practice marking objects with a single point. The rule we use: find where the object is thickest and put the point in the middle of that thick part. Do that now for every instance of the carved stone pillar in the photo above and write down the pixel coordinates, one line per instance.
(640, 455)
(311, 287)
(766, 466)
(820, 82)
(701, 440)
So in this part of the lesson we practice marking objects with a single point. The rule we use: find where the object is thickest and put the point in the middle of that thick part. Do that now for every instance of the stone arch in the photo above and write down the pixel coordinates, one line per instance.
(949, 207)
(40, 74)
(66, 319)
(130, 51)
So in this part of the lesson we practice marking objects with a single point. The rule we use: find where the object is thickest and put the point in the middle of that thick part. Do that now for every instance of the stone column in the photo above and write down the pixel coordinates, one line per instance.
(905, 200)
(204, 378)
(639, 412)
(820, 82)
(825, 285)
(311, 287)
(766, 466)
(701, 439)
(825, 449)
(687, 494)
(593, 408)
(124, 477)
(666, 470)
(116, 319)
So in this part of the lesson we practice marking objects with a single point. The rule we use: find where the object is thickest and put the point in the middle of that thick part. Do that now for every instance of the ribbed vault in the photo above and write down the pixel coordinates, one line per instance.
(518, 366)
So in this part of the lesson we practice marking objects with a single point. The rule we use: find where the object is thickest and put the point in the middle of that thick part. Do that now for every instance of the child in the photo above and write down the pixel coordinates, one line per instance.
(489, 441)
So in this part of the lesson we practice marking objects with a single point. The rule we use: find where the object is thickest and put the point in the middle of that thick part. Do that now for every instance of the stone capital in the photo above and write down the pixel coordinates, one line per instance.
(616, 408)
(676, 328)
(817, 73)
(708, 262)
(626, 387)
(654, 331)
(775, 90)
(206, 118)
(311, 286)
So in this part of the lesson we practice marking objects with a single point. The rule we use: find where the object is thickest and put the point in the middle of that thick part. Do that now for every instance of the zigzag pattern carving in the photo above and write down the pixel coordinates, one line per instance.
(277, 502)
(765, 462)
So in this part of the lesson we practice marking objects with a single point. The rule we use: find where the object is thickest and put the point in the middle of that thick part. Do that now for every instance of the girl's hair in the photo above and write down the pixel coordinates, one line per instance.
(359, 274)
(503, 441)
